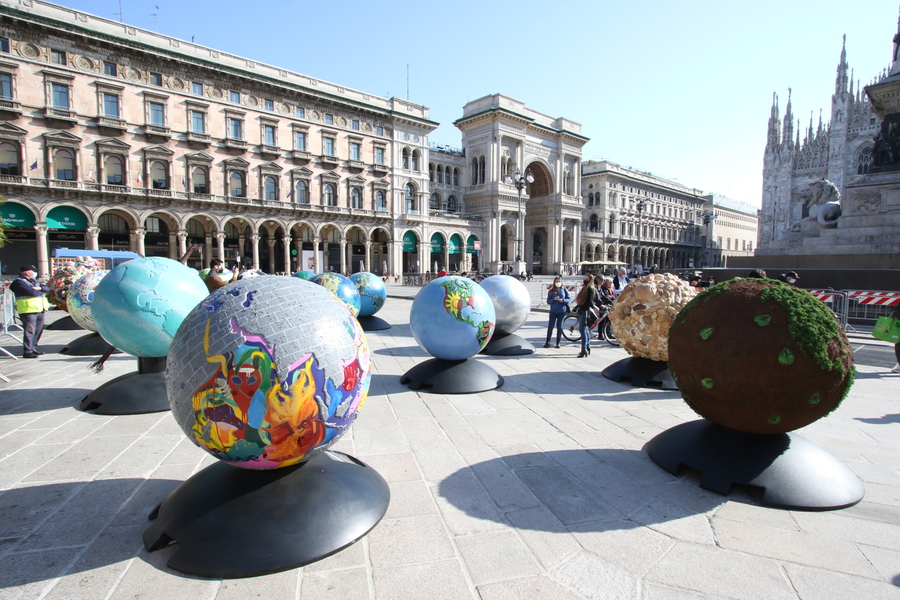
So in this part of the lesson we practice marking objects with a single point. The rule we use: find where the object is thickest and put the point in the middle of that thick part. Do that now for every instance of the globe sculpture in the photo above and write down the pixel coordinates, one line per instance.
(268, 373)
(67, 275)
(512, 303)
(644, 312)
(140, 304)
(760, 356)
(757, 359)
(452, 318)
(80, 297)
(307, 275)
(372, 292)
(341, 287)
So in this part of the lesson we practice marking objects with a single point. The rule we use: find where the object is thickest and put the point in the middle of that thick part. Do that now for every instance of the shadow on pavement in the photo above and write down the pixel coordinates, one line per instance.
(885, 420)
(22, 401)
(581, 490)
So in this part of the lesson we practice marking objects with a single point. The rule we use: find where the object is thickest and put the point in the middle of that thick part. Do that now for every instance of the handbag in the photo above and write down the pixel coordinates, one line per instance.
(591, 317)
(887, 329)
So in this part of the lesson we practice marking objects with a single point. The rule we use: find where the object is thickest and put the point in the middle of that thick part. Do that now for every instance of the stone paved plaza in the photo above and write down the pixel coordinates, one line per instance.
(538, 490)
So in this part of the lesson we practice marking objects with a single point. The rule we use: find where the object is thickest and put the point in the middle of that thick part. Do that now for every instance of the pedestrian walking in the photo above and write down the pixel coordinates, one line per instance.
(31, 304)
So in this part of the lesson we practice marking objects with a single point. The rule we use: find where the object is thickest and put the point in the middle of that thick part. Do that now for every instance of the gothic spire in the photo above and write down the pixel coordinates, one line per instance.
(788, 128)
(895, 56)
(840, 83)
(774, 127)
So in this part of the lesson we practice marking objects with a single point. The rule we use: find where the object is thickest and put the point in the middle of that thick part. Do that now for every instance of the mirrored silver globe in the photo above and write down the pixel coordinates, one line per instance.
(512, 303)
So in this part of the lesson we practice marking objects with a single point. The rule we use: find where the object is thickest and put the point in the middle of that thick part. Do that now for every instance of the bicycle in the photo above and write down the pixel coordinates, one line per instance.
(603, 327)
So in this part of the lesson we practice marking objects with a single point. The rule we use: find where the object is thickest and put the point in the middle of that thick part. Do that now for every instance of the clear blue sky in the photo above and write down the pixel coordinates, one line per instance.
(681, 89)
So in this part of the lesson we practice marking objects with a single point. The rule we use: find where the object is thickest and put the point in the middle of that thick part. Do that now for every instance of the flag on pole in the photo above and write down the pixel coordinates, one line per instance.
(184, 184)
(290, 193)
(33, 166)
(139, 182)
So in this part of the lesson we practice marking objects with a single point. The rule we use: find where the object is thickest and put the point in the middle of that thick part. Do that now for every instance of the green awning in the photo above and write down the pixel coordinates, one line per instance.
(16, 215)
(470, 245)
(437, 243)
(410, 241)
(66, 217)
(455, 243)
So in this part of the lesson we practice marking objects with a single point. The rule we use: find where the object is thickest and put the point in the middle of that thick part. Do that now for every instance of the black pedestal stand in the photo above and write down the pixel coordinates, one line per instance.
(507, 344)
(233, 522)
(132, 393)
(91, 344)
(452, 377)
(373, 323)
(793, 472)
(642, 372)
(66, 323)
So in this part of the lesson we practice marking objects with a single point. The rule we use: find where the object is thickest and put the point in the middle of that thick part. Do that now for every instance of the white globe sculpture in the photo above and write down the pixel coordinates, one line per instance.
(512, 303)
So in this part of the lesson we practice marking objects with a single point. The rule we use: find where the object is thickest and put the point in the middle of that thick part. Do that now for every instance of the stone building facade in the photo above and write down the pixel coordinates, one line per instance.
(633, 217)
(732, 233)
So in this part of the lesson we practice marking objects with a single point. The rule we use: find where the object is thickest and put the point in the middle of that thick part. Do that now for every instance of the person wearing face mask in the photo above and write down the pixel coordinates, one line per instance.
(31, 304)
(558, 298)
(586, 300)
(790, 277)
(620, 280)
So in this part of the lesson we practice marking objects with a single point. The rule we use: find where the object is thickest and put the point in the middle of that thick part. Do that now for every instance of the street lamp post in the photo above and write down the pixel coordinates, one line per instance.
(519, 180)
(640, 205)
(707, 218)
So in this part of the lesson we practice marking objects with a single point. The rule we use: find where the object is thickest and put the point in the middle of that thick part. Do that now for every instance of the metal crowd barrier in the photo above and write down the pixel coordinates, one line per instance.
(7, 321)
(863, 306)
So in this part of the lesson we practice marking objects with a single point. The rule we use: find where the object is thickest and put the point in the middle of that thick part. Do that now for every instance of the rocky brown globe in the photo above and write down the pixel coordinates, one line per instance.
(760, 356)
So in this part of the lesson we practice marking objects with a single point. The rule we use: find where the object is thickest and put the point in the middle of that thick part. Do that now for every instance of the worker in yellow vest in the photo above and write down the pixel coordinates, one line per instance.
(31, 304)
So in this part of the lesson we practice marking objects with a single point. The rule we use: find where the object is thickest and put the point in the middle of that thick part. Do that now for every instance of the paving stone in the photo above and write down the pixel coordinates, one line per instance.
(594, 577)
(465, 505)
(82, 460)
(436, 581)
(886, 562)
(408, 540)
(635, 549)
(546, 537)
(504, 488)
(818, 584)
(564, 495)
(410, 499)
(394, 467)
(28, 574)
(529, 587)
(352, 583)
(496, 556)
(354, 555)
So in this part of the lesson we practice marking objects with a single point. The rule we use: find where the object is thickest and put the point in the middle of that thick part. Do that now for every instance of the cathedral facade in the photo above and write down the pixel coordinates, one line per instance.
(837, 151)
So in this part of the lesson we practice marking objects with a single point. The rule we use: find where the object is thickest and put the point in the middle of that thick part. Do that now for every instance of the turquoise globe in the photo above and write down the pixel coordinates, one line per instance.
(305, 275)
(341, 287)
(140, 304)
(81, 296)
(452, 318)
(372, 292)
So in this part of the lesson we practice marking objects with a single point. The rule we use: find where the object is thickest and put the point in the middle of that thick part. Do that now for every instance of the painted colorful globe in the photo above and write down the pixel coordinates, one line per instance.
(512, 302)
(80, 297)
(305, 275)
(67, 275)
(139, 305)
(452, 318)
(760, 356)
(372, 292)
(341, 287)
(267, 373)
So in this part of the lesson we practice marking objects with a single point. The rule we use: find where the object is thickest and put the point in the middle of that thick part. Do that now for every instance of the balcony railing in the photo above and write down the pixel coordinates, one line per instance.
(10, 104)
(111, 123)
(52, 112)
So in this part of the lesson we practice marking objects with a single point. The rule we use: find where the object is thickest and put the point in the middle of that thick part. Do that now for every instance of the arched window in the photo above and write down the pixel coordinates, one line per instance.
(447, 176)
(481, 169)
(410, 198)
(64, 165)
(591, 199)
(595, 223)
(302, 196)
(434, 203)
(112, 168)
(356, 197)
(199, 181)
(406, 158)
(330, 195)
(379, 200)
(9, 159)
(430, 171)
(474, 171)
(455, 176)
(452, 205)
(415, 160)
(440, 174)
(612, 224)
(236, 185)
(112, 224)
(271, 188)
(159, 175)
(864, 162)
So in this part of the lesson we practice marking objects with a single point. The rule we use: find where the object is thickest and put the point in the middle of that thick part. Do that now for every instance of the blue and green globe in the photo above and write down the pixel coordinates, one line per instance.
(140, 304)
(372, 292)
(341, 287)
(452, 318)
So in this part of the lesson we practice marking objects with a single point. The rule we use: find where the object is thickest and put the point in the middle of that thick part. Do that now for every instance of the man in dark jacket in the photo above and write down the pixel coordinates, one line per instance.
(31, 304)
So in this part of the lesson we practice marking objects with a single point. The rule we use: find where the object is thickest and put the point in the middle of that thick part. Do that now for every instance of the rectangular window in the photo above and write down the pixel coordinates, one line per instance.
(58, 57)
(269, 104)
(197, 88)
(198, 121)
(379, 156)
(299, 141)
(111, 106)
(157, 114)
(300, 112)
(4, 45)
(235, 129)
(235, 97)
(329, 119)
(60, 96)
(156, 79)
(379, 130)
(355, 151)
(354, 125)
(269, 135)
(5, 85)
(329, 147)
(110, 69)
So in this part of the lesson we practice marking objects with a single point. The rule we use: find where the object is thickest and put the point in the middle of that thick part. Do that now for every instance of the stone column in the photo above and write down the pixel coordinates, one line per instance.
(298, 246)
(240, 249)
(316, 243)
(391, 259)
(254, 239)
(182, 242)
(220, 244)
(424, 256)
(343, 243)
(370, 258)
(271, 243)
(208, 247)
(40, 243)
(137, 240)
(447, 254)
(173, 246)
(93, 237)
(286, 242)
